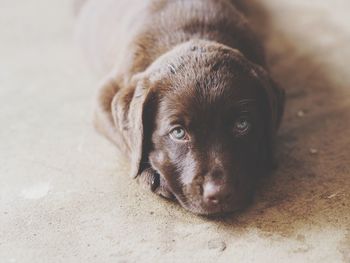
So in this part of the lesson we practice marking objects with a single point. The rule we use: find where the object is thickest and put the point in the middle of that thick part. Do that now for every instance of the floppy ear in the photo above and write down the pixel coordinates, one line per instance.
(121, 117)
(276, 97)
(275, 101)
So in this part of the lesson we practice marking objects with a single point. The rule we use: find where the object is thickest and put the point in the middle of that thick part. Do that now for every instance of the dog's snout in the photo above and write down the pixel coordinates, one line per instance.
(215, 193)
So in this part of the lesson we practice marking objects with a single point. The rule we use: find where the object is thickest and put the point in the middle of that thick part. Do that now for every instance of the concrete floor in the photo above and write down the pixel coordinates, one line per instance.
(65, 195)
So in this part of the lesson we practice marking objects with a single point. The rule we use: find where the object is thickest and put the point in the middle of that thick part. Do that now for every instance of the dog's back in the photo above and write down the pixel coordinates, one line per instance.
(133, 33)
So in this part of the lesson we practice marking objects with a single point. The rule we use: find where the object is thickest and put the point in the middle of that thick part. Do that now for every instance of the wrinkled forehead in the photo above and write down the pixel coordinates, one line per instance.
(204, 80)
(217, 84)
(208, 97)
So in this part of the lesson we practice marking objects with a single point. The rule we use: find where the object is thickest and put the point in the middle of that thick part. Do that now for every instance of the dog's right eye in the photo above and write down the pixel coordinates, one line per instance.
(241, 126)
(178, 134)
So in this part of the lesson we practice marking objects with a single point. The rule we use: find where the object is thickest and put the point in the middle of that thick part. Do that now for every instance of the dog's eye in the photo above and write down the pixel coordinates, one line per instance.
(178, 133)
(241, 126)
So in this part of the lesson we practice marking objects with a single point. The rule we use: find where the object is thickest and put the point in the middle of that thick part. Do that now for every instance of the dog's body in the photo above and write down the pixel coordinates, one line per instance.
(187, 96)
(135, 32)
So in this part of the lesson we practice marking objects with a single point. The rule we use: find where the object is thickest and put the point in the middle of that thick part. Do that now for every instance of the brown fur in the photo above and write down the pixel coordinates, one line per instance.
(194, 62)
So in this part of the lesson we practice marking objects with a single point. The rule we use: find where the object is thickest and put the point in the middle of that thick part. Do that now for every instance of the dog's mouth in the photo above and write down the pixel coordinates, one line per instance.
(195, 204)
(160, 186)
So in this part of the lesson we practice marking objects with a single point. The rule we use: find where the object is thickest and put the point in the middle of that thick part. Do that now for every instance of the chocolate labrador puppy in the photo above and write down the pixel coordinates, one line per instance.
(188, 98)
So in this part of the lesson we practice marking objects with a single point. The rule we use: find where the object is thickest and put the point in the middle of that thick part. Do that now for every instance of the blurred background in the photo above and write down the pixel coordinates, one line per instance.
(65, 195)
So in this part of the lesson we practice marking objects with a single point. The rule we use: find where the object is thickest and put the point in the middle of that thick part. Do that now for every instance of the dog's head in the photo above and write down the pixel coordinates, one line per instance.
(204, 118)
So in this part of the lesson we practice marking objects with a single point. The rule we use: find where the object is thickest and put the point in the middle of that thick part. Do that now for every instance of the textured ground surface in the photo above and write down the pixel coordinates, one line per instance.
(65, 195)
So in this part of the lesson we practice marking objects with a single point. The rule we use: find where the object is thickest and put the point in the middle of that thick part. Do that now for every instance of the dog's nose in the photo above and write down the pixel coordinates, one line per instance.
(215, 193)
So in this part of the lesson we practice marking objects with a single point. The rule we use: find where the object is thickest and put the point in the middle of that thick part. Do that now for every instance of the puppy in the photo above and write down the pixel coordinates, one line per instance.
(186, 97)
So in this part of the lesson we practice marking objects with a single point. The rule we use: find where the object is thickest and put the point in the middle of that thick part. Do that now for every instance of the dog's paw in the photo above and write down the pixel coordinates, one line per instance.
(149, 179)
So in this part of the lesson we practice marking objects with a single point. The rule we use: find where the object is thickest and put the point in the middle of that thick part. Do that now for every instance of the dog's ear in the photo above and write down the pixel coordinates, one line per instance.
(122, 117)
(276, 99)
(280, 96)
(274, 109)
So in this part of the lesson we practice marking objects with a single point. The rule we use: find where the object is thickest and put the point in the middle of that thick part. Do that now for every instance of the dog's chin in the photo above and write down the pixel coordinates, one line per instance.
(211, 211)
(214, 212)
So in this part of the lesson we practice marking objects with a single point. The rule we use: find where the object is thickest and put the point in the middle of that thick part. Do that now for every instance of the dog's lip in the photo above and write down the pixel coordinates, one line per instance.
(155, 182)
(163, 177)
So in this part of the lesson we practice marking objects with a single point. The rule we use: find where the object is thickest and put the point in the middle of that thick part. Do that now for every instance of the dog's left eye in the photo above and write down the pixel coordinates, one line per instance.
(178, 133)
(241, 126)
